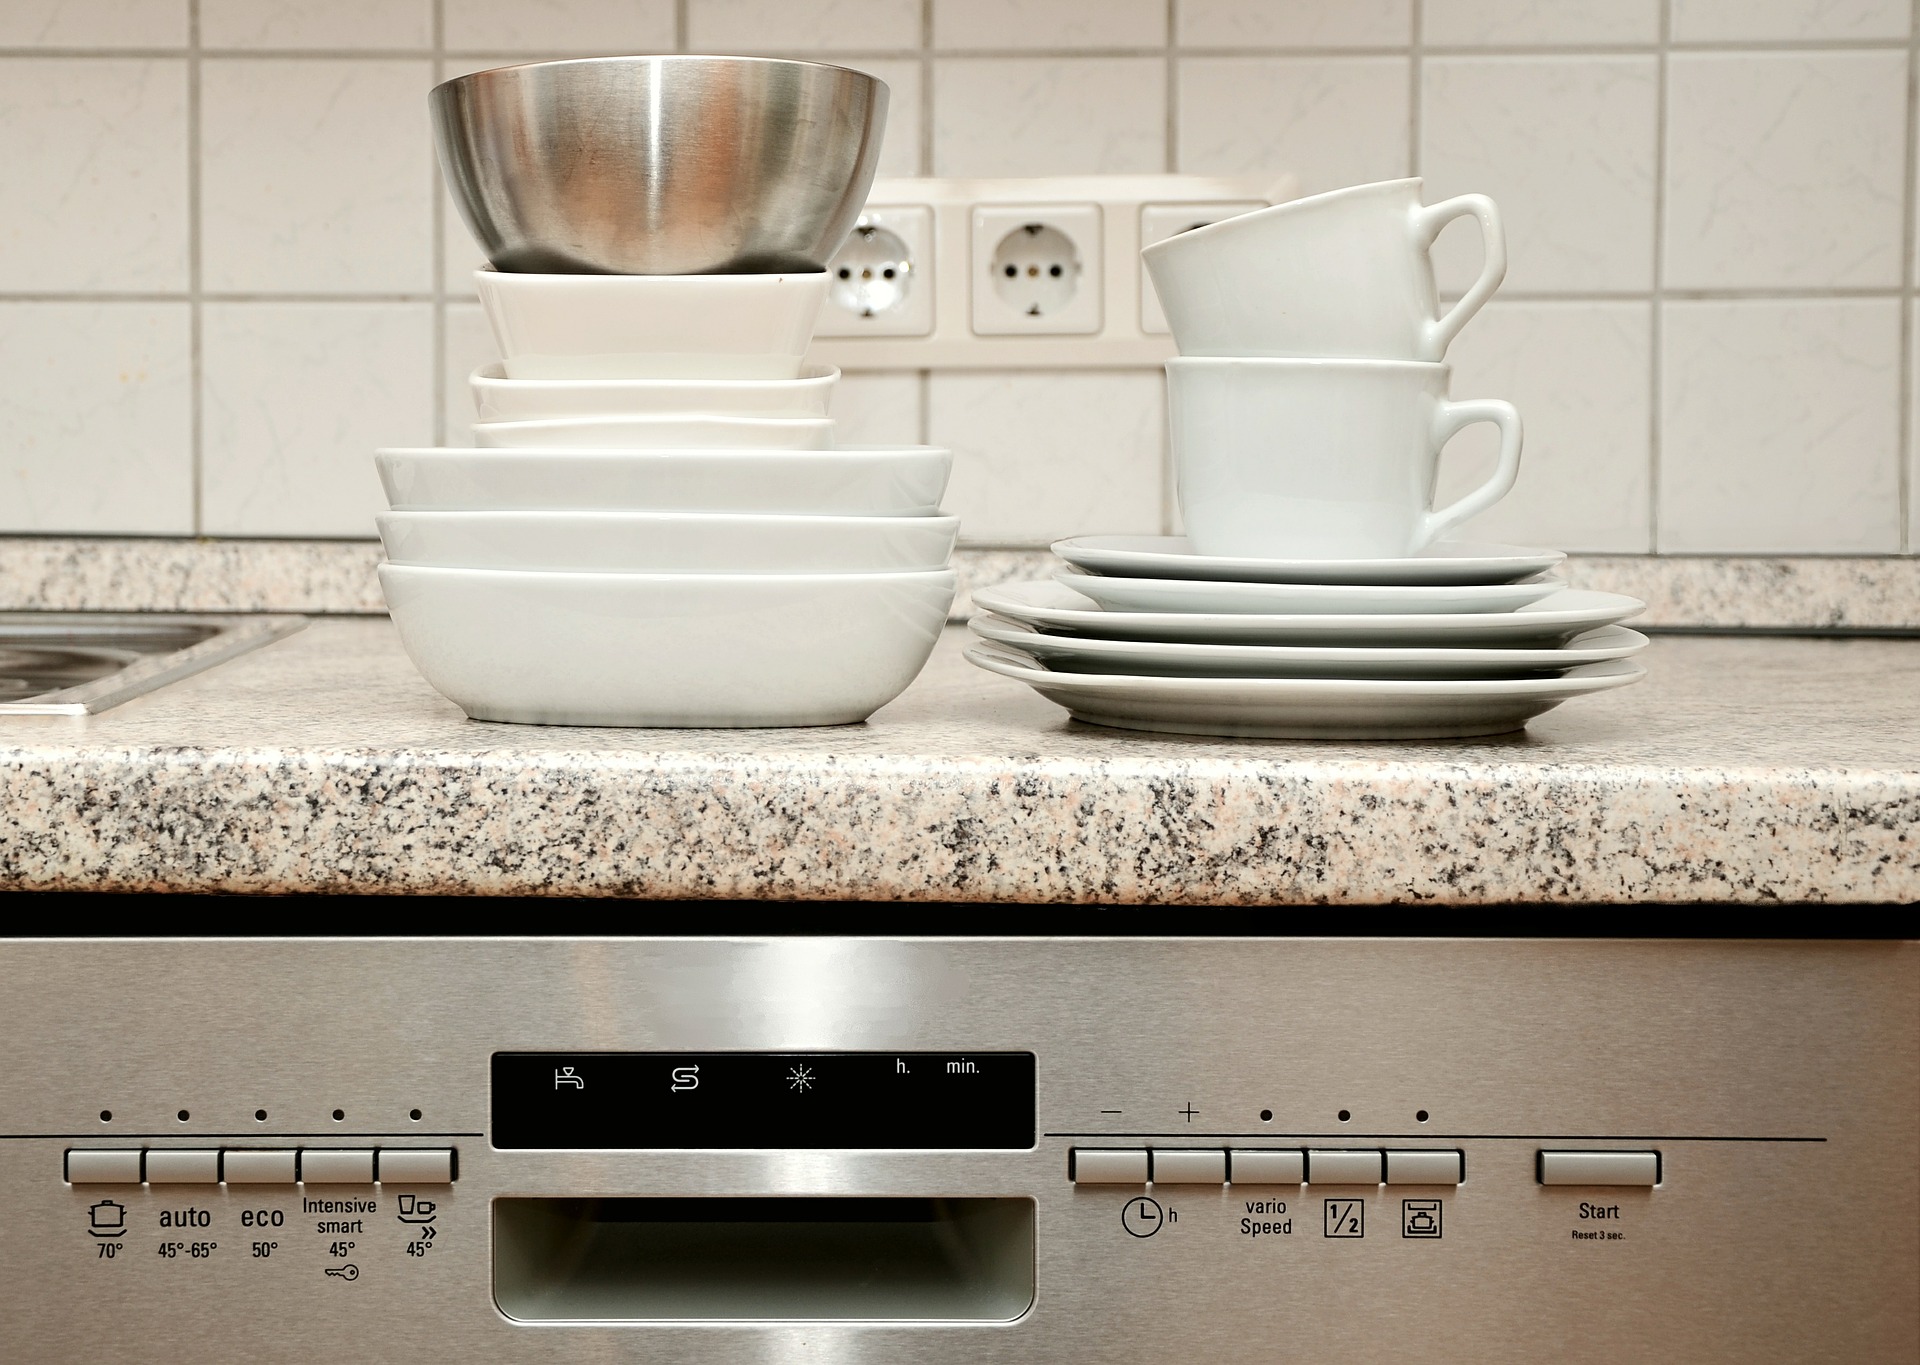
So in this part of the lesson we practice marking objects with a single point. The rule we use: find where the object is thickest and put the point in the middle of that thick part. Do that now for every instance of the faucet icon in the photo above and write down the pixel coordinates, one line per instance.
(565, 1076)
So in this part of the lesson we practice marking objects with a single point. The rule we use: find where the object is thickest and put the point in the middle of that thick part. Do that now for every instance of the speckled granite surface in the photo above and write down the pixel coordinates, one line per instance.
(337, 576)
(1741, 770)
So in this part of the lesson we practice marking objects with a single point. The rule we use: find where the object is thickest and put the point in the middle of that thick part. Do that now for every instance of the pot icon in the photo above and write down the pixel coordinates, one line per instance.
(107, 1219)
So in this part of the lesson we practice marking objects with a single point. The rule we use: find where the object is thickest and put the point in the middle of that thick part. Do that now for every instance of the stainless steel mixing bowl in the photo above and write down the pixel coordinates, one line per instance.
(660, 165)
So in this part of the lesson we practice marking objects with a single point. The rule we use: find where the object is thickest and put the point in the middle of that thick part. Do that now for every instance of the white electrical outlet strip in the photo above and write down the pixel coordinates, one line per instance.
(991, 274)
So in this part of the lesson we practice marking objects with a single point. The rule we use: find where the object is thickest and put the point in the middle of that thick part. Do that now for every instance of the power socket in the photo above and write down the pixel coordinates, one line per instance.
(1161, 221)
(883, 278)
(960, 309)
(1037, 270)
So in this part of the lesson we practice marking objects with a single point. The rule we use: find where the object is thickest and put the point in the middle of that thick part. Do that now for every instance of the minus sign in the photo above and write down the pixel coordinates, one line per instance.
(1109, 1111)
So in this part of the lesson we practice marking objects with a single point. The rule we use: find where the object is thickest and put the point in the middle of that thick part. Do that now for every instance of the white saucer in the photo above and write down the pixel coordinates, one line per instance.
(1307, 708)
(1079, 654)
(1550, 621)
(1301, 599)
(1173, 557)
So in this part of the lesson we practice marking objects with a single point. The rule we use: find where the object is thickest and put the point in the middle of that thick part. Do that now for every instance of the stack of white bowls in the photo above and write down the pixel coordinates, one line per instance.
(654, 527)
(1316, 593)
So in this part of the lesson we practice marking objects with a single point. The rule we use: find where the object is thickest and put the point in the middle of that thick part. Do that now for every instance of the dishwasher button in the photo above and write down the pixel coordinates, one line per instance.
(1343, 1168)
(416, 1165)
(336, 1165)
(1267, 1168)
(1599, 1168)
(1107, 1166)
(1424, 1168)
(92, 1166)
(259, 1167)
(1186, 1166)
(181, 1166)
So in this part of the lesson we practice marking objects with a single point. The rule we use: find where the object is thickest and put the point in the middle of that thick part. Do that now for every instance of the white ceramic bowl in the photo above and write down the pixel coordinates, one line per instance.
(500, 399)
(668, 542)
(677, 650)
(862, 481)
(681, 432)
(651, 326)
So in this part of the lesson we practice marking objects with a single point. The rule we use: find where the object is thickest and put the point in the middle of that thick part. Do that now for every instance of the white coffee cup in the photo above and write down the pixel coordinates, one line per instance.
(1338, 275)
(1322, 459)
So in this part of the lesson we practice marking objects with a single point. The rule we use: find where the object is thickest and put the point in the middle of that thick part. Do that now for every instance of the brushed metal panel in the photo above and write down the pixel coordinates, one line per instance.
(1780, 1081)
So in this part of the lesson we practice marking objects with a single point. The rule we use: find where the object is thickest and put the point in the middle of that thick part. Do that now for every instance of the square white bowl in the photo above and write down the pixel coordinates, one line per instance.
(500, 399)
(681, 431)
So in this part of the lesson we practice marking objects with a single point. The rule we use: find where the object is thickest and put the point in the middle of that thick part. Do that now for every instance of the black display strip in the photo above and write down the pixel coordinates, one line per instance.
(640, 1101)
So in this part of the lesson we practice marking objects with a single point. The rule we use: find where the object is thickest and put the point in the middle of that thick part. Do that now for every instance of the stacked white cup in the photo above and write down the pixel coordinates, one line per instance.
(655, 528)
(1309, 403)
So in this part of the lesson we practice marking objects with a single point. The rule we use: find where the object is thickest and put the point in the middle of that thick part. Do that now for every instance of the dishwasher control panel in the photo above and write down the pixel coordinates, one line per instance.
(979, 1150)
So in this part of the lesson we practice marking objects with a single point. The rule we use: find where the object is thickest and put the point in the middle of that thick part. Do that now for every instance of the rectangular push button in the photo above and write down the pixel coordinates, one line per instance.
(1599, 1168)
(1267, 1168)
(1423, 1168)
(1108, 1166)
(179, 1166)
(1184, 1166)
(258, 1168)
(416, 1165)
(91, 1166)
(1343, 1168)
(336, 1165)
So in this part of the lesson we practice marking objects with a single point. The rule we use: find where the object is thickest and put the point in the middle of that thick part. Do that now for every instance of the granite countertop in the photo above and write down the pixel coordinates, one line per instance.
(1744, 769)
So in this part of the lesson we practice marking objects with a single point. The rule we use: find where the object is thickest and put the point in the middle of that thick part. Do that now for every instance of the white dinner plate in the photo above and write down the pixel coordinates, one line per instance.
(1450, 561)
(1154, 658)
(1307, 708)
(1550, 621)
(1301, 599)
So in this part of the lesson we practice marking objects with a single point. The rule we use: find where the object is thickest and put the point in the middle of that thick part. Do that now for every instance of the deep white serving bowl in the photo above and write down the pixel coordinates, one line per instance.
(668, 542)
(675, 650)
(677, 432)
(651, 326)
(500, 399)
(861, 481)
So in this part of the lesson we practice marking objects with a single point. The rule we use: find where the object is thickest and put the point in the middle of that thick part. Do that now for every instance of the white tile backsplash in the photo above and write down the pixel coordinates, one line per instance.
(1522, 23)
(1331, 121)
(1780, 427)
(97, 411)
(1580, 375)
(1002, 24)
(1038, 456)
(330, 24)
(316, 176)
(1049, 115)
(1697, 21)
(95, 151)
(1566, 146)
(558, 25)
(877, 409)
(297, 398)
(1781, 242)
(94, 23)
(1785, 169)
(1282, 23)
(797, 26)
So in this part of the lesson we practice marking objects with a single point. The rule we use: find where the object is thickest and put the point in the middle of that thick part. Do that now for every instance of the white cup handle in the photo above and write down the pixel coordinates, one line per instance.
(1448, 422)
(1427, 222)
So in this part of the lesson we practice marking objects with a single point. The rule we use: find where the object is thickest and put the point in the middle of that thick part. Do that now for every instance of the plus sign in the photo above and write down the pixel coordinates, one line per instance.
(1189, 1111)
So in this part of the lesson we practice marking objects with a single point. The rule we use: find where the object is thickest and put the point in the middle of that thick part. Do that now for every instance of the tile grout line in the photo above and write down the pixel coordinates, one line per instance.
(1656, 320)
(196, 351)
(1416, 82)
(925, 54)
(437, 253)
(1904, 480)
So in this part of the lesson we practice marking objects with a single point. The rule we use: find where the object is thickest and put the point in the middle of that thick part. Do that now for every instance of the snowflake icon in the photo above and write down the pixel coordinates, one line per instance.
(800, 1078)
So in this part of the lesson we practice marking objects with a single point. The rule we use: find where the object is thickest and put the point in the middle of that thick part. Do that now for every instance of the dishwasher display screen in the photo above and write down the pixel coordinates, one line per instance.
(743, 1100)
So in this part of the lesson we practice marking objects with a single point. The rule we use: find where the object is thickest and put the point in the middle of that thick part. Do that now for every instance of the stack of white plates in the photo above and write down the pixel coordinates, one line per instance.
(654, 529)
(1459, 639)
